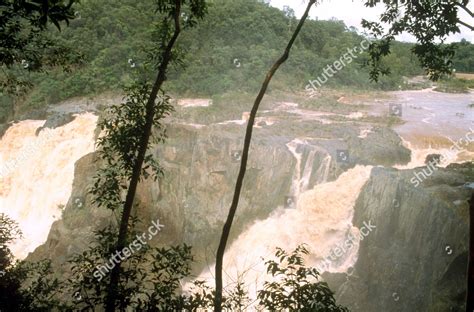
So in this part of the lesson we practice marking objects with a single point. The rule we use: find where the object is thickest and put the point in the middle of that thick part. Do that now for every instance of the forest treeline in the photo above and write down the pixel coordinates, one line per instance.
(238, 39)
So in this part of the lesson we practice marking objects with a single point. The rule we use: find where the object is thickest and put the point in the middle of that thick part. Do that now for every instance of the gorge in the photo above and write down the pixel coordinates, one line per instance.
(315, 176)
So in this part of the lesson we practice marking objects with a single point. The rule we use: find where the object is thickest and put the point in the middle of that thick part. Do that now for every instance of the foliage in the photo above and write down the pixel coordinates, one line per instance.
(428, 21)
(22, 23)
(24, 286)
(243, 33)
(223, 53)
(150, 277)
(463, 61)
(9, 283)
(295, 286)
(122, 126)
(151, 281)
(153, 276)
(126, 143)
(9, 231)
(455, 85)
(25, 43)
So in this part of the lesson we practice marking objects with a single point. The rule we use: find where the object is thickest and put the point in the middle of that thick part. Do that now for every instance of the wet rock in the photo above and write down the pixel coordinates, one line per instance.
(382, 146)
(3, 128)
(434, 159)
(55, 121)
(418, 250)
(193, 198)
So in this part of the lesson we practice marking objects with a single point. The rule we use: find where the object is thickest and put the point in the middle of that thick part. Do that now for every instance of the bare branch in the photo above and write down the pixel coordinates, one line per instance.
(465, 8)
(243, 164)
(465, 24)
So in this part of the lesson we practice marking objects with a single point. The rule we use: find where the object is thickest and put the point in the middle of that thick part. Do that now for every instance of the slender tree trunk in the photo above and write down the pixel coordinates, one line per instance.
(470, 266)
(135, 178)
(243, 164)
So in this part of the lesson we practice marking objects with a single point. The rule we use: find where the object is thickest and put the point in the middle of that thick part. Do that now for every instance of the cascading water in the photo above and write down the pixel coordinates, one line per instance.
(323, 171)
(322, 220)
(302, 175)
(296, 180)
(450, 154)
(436, 123)
(36, 174)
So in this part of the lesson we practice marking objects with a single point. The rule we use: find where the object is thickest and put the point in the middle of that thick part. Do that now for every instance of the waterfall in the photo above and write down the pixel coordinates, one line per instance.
(303, 172)
(296, 179)
(449, 152)
(323, 171)
(36, 174)
(308, 169)
(322, 220)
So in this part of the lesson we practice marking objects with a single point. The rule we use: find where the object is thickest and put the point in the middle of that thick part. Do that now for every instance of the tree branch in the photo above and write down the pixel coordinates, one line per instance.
(465, 8)
(470, 267)
(465, 24)
(243, 164)
(137, 168)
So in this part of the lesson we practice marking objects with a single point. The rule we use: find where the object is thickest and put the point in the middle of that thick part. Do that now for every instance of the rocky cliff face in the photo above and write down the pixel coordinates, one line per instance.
(201, 165)
(416, 258)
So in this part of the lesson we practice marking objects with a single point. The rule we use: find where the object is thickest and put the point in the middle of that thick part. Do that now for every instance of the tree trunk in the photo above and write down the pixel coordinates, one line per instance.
(243, 164)
(150, 114)
(470, 266)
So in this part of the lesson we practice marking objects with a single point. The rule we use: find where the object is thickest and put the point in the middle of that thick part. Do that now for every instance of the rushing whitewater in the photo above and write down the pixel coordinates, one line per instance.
(450, 155)
(36, 174)
(322, 220)
(434, 123)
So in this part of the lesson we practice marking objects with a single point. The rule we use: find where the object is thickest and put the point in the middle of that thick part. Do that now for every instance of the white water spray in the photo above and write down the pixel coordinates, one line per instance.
(37, 174)
(322, 221)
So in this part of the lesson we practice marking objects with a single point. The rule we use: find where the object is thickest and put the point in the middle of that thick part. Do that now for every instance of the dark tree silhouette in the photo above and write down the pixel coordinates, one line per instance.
(429, 21)
(172, 10)
(245, 155)
(470, 270)
(27, 46)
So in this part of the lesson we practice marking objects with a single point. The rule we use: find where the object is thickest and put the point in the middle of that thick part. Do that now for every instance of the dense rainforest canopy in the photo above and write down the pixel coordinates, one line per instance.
(238, 39)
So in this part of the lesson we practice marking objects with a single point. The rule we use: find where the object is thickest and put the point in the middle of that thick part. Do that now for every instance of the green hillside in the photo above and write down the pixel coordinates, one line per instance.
(231, 50)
